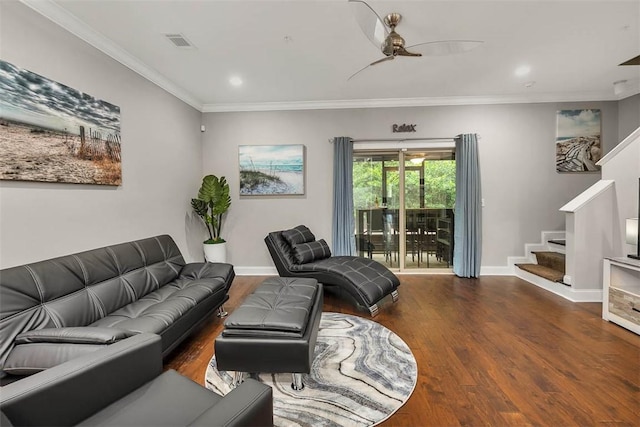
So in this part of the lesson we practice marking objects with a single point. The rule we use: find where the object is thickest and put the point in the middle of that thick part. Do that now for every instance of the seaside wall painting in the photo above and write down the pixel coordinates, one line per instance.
(267, 170)
(50, 132)
(578, 145)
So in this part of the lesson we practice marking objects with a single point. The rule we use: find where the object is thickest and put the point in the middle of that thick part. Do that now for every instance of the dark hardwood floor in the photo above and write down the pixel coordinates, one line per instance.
(490, 351)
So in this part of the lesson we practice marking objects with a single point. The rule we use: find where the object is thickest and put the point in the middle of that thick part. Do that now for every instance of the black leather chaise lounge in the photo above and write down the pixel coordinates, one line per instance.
(296, 253)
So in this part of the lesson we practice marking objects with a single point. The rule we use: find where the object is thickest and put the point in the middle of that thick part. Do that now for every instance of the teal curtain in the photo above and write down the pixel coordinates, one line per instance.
(467, 249)
(343, 232)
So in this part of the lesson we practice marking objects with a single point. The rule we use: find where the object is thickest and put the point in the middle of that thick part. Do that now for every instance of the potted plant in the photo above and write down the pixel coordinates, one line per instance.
(212, 203)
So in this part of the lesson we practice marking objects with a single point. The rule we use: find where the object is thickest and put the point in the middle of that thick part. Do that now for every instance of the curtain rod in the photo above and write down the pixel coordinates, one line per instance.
(399, 139)
(404, 139)
(448, 138)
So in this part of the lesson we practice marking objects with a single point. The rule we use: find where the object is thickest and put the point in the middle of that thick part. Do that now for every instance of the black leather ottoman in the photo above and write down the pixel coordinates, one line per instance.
(274, 330)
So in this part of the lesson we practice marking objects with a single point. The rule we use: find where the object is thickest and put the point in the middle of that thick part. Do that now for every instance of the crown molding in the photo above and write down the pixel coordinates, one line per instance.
(57, 14)
(411, 102)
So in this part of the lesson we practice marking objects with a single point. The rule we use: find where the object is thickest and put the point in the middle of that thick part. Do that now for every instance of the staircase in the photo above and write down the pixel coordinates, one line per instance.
(545, 265)
(594, 224)
(549, 265)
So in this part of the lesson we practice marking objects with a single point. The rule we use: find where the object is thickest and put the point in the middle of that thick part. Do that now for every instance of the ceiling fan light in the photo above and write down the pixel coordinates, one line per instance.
(416, 160)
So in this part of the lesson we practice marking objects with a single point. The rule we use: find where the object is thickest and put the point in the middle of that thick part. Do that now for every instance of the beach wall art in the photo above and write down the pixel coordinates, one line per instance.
(50, 132)
(578, 145)
(267, 170)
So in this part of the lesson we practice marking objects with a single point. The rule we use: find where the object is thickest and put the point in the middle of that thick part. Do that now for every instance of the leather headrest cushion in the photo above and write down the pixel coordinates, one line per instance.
(311, 251)
(299, 234)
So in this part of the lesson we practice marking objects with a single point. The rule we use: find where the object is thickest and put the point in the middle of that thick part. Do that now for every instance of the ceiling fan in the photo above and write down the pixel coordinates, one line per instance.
(383, 35)
(632, 61)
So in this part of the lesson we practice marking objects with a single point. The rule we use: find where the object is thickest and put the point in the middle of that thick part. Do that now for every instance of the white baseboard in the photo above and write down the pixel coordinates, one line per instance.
(271, 271)
(567, 292)
(489, 270)
(255, 271)
(424, 271)
(513, 260)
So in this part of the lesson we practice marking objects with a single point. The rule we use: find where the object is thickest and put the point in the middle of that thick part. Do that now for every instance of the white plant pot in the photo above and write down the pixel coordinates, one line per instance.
(216, 252)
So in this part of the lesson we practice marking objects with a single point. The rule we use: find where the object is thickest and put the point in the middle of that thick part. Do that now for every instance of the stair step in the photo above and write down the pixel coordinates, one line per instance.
(552, 260)
(542, 271)
(560, 242)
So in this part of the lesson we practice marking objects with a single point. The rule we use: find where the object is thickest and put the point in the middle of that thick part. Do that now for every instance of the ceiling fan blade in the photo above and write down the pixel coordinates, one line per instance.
(404, 52)
(445, 47)
(386, 58)
(370, 23)
(632, 61)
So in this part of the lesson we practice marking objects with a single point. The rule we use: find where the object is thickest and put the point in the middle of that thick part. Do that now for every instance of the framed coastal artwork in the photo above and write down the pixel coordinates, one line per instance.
(267, 170)
(578, 145)
(50, 132)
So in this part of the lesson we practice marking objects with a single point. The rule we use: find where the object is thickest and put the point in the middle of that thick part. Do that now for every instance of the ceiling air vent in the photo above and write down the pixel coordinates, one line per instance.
(178, 40)
(632, 61)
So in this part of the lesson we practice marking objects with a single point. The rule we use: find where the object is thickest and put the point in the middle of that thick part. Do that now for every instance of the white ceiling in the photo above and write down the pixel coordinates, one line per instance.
(299, 54)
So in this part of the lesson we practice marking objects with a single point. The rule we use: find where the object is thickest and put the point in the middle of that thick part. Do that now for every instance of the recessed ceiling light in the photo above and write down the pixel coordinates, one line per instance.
(235, 81)
(522, 70)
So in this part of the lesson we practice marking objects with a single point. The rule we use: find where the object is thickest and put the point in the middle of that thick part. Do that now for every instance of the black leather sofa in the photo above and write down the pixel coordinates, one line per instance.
(123, 385)
(296, 253)
(55, 310)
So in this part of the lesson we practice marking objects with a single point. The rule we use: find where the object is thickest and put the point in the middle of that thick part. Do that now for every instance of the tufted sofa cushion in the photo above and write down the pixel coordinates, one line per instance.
(157, 310)
(279, 306)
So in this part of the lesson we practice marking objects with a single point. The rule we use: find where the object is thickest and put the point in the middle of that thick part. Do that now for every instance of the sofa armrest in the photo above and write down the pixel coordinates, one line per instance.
(73, 335)
(205, 270)
(209, 272)
(68, 393)
(249, 404)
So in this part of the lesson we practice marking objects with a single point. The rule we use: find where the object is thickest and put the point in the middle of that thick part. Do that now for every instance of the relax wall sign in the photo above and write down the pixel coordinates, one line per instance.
(403, 128)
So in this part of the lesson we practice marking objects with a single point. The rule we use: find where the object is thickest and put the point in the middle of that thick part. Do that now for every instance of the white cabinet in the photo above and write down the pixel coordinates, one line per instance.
(621, 292)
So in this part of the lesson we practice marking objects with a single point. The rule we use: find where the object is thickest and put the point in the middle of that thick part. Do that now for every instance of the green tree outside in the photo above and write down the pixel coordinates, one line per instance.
(439, 185)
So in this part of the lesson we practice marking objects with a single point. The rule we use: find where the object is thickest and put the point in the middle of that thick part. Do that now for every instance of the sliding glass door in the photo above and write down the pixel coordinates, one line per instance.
(430, 178)
(376, 195)
(403, 204)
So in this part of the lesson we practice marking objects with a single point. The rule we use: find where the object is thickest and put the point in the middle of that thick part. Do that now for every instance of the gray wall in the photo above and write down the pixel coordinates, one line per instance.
(520, 186)
(161, 149)
(624, 169)
(165, 156)
(628, 116)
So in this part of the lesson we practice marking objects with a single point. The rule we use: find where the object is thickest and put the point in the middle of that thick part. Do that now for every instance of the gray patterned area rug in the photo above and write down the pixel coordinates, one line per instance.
(362, 373)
